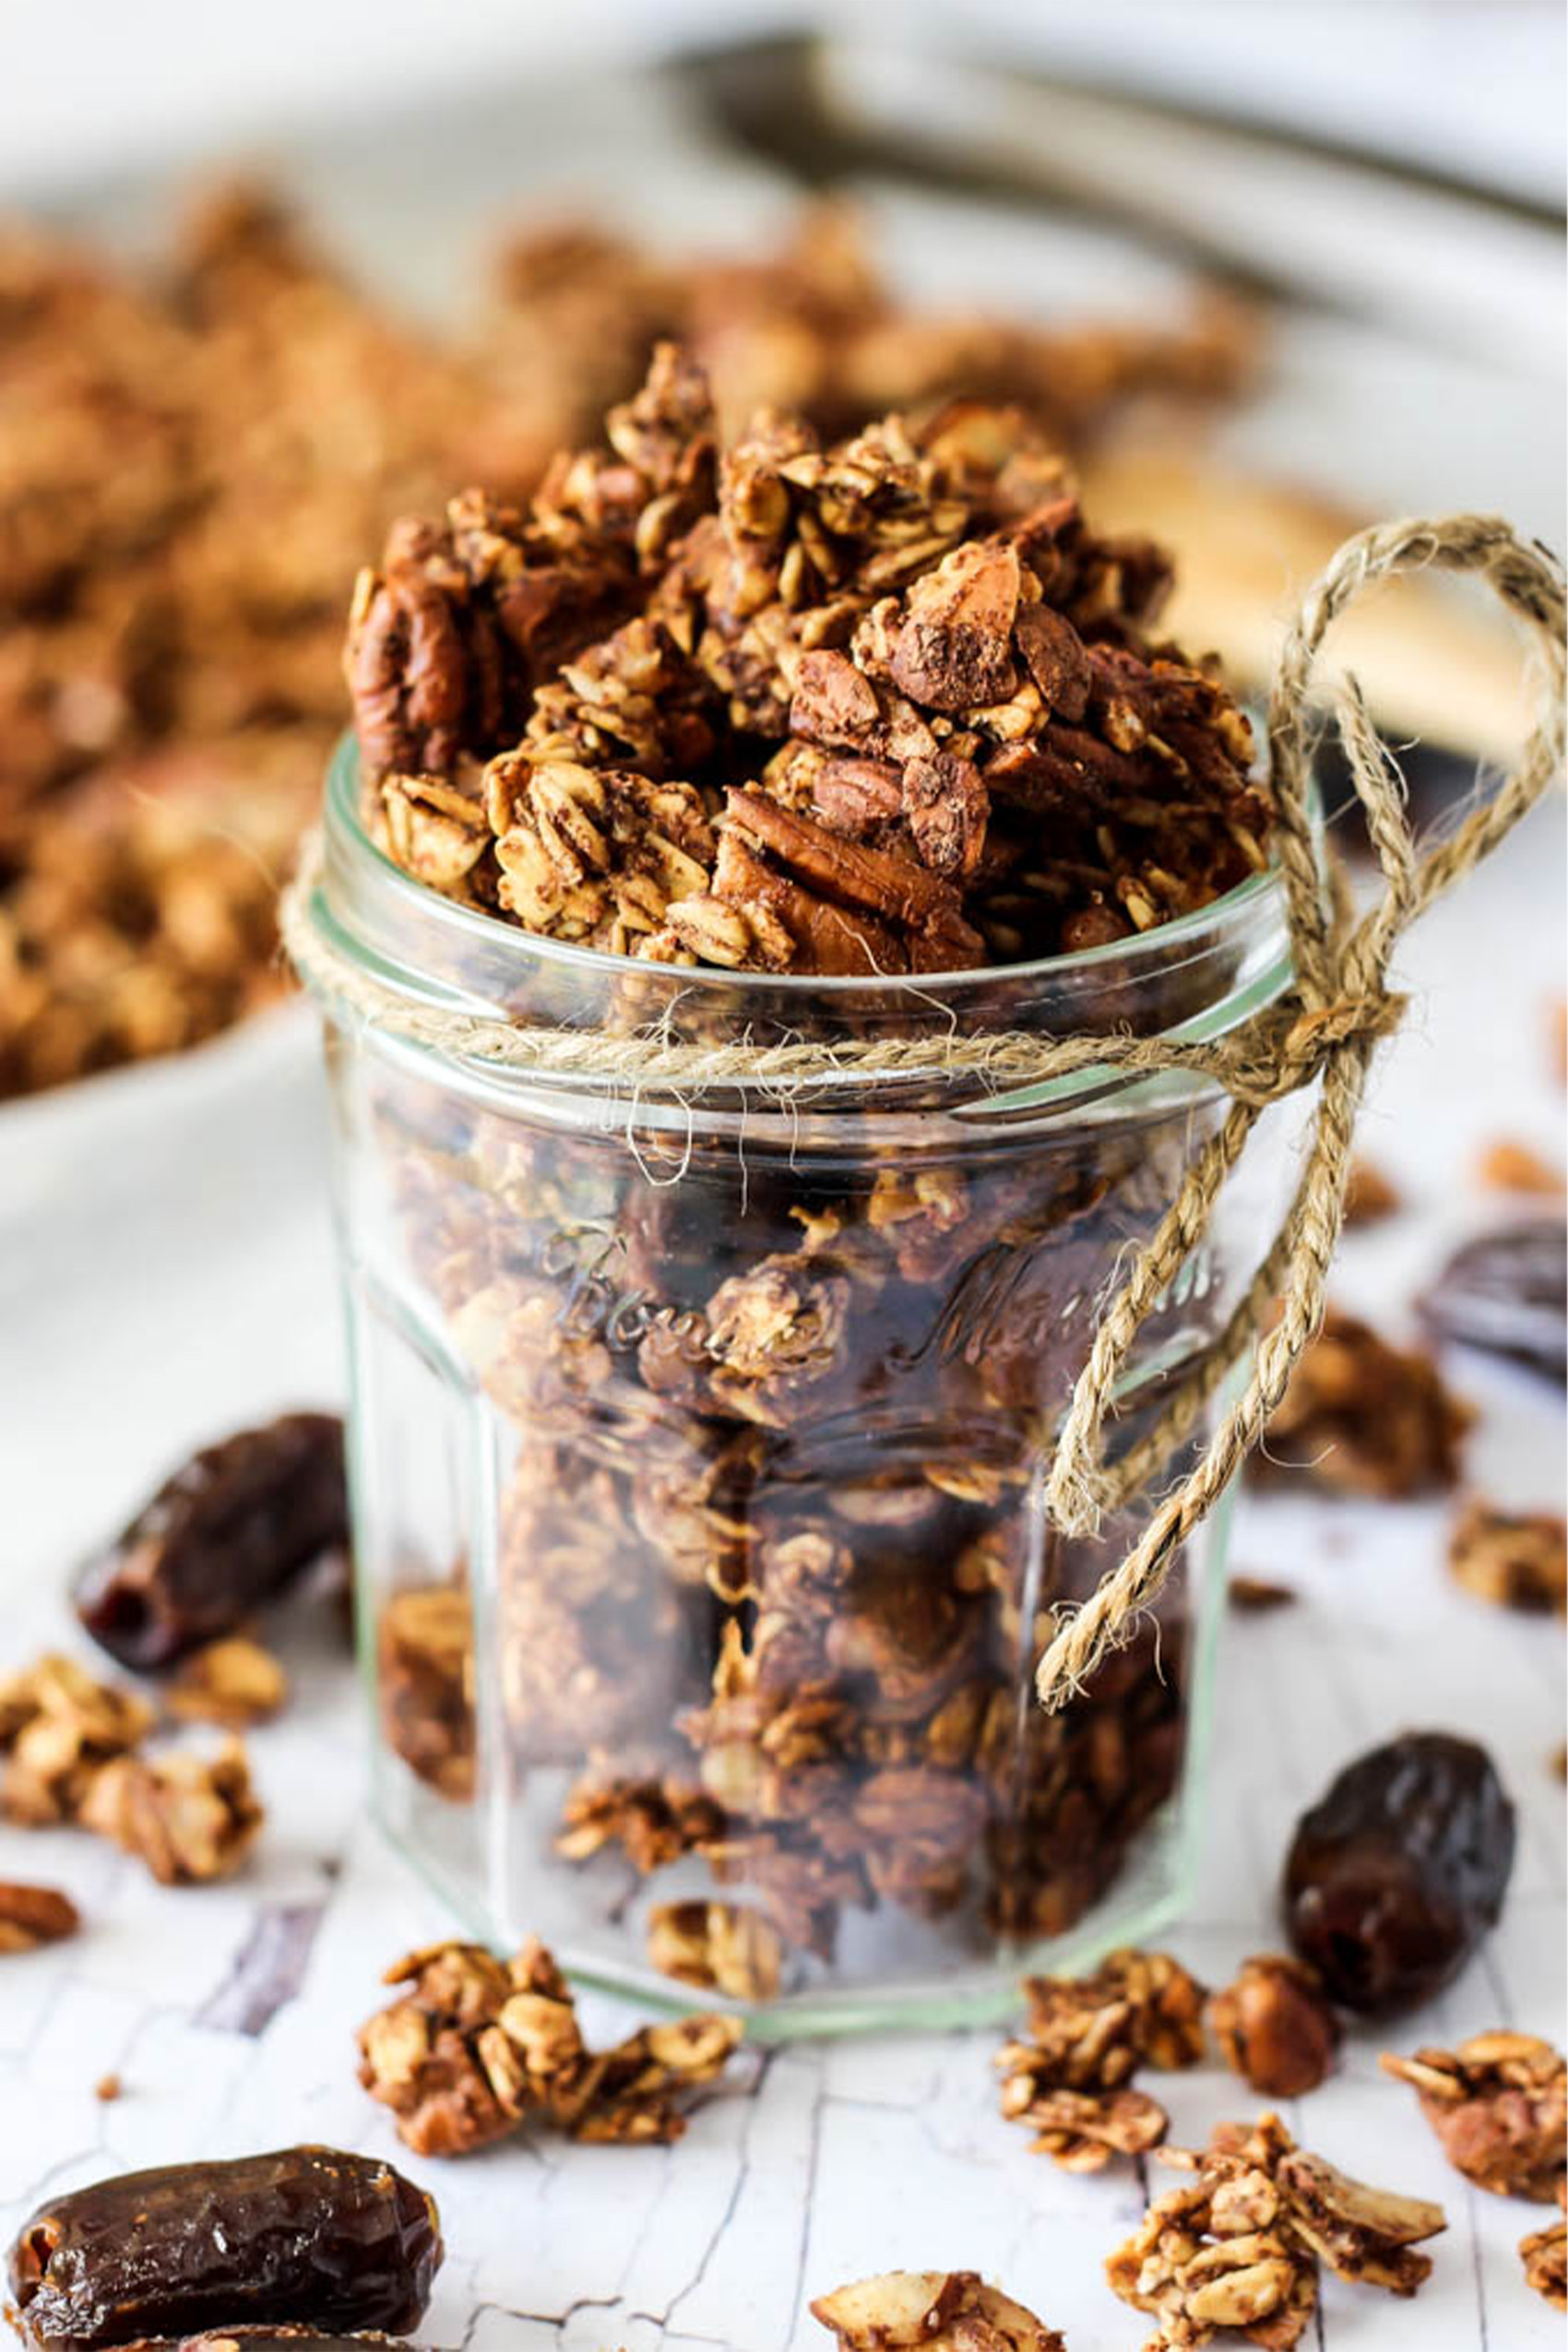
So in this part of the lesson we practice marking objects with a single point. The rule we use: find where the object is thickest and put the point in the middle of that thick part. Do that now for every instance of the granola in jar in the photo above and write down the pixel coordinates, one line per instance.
(733, 1406)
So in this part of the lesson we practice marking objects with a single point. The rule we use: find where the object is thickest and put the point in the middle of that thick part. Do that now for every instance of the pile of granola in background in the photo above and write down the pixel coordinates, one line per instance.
(192, 457)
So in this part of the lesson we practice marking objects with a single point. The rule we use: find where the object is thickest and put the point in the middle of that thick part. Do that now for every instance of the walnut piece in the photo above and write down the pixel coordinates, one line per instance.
(189, 1818)
(233, 1682)
(1516, 1560)
(1363, 1418)
(33, 1914)
(477, 2047)
(945, 2310)
(1499, 2105)
(1276, 2027)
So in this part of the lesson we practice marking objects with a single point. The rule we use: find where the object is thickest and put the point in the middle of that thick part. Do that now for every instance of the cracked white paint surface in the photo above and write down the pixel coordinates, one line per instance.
(170, 1314)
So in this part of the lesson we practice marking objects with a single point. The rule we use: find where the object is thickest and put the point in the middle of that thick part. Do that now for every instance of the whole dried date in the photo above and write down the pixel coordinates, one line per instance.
(1395, 1875)
(229, 1529)
(281, 2339)
(1507, 1292)
(304, 2234)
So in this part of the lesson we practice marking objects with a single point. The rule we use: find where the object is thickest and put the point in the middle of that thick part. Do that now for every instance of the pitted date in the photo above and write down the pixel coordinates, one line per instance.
(1400, 1869)
(307, 2234)
(227, 1531)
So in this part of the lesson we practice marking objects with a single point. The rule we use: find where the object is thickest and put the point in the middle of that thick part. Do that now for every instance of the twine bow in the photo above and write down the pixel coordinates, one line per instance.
(1325, 1029)
(1329, 1025)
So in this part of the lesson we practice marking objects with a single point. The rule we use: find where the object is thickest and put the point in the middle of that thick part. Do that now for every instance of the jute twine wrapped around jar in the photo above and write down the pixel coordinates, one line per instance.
(1326, 1030)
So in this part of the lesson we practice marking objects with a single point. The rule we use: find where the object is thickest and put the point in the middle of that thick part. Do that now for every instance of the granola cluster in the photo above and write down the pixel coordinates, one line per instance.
(184, 462)
(944, 2310)
(188, 457)
(1363, 1418)
(768, 1570)
(1241, 2245)
(882, 704)
(1070, 2081)
(476, 2048)
(1514, 1559)
(1499, 2105)
(1070, 2078)
(72, 1750)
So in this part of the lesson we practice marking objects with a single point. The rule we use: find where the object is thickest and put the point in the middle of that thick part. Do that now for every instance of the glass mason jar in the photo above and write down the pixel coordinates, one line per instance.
(697, 1449)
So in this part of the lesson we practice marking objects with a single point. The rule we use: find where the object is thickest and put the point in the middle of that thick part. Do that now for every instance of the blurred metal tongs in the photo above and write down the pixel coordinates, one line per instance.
(1461, 268)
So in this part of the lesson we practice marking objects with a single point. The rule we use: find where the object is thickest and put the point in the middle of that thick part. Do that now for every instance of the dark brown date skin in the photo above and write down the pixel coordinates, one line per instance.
(1398, 1870)
(1507, 1292)
(227, 1531)
(248, 2338)
(306, 2234)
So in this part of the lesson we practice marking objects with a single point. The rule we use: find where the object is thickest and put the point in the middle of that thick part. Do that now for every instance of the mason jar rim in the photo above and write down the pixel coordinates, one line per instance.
(1259, 900)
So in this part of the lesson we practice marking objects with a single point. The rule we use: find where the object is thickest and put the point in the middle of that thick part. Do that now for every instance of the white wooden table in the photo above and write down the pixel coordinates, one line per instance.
(169, 1288)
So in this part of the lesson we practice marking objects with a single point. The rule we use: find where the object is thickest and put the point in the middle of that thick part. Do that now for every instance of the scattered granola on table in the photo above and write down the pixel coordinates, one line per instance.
(1363, 1418)
(945, 2311)
(188, 1817)
(1240, 2246)
(32, 1915)
(235, 1683)
(1276, 2025)
(477, 2047)
(1499, 2105)
(1518, 1560)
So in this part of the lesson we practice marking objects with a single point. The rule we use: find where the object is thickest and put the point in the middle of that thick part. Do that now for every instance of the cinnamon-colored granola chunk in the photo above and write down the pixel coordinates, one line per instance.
(1499, 2105)
(879, 704)
(1516, 1560)
(233, 1682)
(477, 2047)
(1365, 1418)
(1070, 2081)
(723, 1947)
(1239, 2246)
(945, 2310)
(58, 1729)
(1544, 2253)
(189, 1818)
